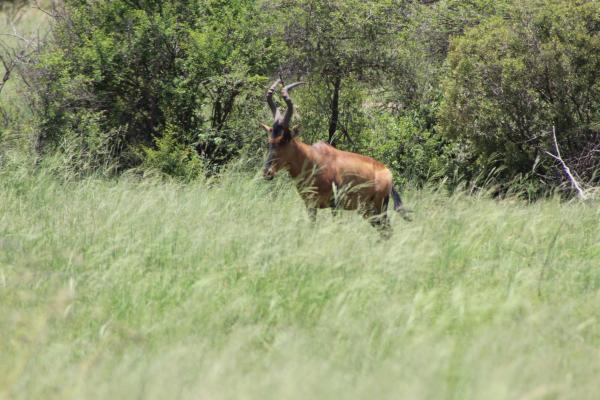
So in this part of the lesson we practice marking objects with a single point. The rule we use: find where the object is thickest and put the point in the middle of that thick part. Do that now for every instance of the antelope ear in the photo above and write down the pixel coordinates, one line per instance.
(267, 128)
(295, 130)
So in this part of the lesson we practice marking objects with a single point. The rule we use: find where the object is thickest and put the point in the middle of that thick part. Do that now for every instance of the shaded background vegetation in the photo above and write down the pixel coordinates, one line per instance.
(442, 90)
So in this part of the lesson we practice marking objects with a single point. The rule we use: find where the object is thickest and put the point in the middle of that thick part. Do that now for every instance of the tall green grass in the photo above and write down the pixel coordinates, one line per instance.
(222, 289)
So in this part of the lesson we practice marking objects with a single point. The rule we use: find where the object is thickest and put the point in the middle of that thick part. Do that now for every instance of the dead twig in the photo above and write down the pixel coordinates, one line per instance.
(580, 192)
(9, 63)
(37, 6)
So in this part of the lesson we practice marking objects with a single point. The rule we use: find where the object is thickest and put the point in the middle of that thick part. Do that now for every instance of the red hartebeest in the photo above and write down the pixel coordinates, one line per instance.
(327, 177)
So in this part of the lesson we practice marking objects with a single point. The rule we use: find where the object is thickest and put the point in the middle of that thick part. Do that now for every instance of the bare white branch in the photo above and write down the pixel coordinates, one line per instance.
(580, 192)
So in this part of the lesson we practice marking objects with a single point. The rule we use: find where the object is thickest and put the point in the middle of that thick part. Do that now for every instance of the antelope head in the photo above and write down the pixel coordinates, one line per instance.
(279, 135)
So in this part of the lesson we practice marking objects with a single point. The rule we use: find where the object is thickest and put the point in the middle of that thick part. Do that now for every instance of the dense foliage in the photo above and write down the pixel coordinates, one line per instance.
(515, 77)
(120, 74)
(439, 90)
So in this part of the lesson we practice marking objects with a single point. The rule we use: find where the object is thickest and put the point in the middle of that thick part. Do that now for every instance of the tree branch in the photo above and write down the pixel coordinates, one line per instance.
(37, 6)
(580, 192)
(8, 68)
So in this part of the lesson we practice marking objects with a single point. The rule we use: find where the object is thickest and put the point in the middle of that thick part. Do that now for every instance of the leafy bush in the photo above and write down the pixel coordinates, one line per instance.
(516, 76)
(172, 158)
(414, 153)
(142, 66)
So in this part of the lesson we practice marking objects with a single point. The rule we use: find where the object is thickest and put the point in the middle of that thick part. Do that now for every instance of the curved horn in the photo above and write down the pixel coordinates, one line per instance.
(270, 101)
(290, 105)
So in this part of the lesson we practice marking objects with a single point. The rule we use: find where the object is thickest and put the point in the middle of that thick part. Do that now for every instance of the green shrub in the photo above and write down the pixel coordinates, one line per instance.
(516, 76)
(140, 67)
(413, 152)
(172, 158)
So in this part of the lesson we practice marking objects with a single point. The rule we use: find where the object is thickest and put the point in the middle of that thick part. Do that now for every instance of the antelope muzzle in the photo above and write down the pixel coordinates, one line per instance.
(269, 170)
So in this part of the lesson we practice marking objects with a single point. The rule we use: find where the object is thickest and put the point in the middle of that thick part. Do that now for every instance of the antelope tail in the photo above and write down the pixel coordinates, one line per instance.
(399, 207)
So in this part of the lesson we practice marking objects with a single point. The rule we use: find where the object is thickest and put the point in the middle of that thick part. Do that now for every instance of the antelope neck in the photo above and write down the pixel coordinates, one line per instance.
(302, 159)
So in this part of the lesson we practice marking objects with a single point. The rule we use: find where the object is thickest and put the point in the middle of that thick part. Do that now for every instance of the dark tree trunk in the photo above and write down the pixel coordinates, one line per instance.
(335, 109)
(223, 106)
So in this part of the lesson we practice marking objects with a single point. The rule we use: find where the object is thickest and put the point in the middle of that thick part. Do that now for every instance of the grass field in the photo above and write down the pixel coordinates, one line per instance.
(128, 289)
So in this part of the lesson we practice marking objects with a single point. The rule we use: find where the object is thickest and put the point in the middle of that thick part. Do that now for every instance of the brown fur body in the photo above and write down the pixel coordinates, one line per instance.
(326, 177)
